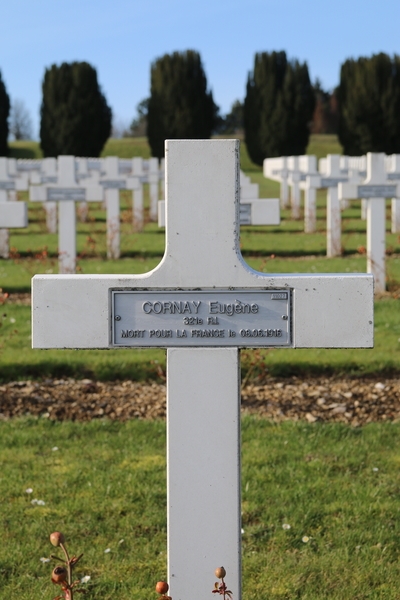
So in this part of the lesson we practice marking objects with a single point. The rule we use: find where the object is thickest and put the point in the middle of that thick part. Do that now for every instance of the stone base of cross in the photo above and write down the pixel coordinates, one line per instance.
(203, 303)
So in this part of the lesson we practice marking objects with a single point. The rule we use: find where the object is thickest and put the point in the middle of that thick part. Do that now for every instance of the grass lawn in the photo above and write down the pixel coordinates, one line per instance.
(104, 487)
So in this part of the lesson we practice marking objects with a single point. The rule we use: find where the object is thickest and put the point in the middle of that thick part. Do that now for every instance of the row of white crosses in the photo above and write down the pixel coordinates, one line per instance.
(64, 182)
(13, 214)
(253, 209)
(374, 190)
(368, 177)
(203, 303)
(357, 173)
(94, 170)
(290, 171)
(333, 175)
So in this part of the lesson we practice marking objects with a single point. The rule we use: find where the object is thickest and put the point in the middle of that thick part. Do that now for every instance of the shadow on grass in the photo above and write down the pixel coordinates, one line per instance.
(47, 369)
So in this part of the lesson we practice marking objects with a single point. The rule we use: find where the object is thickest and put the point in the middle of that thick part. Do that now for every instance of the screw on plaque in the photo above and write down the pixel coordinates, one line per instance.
(285, 317)
(117, 318)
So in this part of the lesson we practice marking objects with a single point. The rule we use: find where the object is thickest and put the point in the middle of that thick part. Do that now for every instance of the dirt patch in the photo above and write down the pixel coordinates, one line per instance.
(353, 401)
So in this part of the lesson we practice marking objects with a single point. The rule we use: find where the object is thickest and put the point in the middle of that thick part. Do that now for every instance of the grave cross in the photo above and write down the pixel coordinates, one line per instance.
(330, 180)
(112, 182)
(375, 189)
(66, 192)
(276, 169)
(47, 174)
(202, 303)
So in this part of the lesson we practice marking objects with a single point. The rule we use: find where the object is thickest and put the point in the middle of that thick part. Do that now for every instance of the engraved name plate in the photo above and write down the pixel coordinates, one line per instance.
(332, 181)
(377, 191)
(119, 184)
(66, 194)
(7, 185)
(163, 318)
(245, 213)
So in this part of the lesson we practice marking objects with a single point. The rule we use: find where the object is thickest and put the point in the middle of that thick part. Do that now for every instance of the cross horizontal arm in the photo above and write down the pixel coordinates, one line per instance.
(329, 311)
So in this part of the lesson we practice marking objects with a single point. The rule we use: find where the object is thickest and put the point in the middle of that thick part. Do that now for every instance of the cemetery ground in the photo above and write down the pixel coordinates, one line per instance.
(320, 482)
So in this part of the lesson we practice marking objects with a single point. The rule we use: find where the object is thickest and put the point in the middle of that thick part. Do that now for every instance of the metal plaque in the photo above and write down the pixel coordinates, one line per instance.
(245, 213)
(215, 318)
(78, 194)
(119, 184)
(7, 185)
(327, 182)
(376, 191)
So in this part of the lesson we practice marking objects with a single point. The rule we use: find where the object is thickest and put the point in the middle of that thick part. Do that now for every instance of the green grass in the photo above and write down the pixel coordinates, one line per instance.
(106, 483)
(321, 145)
(24, 149)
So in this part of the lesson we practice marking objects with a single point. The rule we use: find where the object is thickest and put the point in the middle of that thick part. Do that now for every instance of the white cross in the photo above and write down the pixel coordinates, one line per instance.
(202, 285)
(9, 185)
(374, 189)
(112, 182)
(330, 180)
(66, 192)
(47, 173)
(277, 169)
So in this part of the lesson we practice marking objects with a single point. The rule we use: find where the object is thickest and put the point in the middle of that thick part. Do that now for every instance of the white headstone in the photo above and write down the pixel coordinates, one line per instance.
(202, 303)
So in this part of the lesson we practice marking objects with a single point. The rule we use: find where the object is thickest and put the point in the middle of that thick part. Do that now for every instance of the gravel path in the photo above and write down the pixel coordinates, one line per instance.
(354, 401)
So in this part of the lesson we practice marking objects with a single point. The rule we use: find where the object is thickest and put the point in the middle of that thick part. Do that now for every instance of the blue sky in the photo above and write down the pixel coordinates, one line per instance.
(121, 38)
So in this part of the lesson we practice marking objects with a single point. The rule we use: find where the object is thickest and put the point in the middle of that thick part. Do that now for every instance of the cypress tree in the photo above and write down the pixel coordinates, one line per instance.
(75, 117)
(278, 107)
(369, 105)
(4, 113)
(180, 107)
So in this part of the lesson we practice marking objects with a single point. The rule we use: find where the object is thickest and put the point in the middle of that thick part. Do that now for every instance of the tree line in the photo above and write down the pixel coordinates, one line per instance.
(280, 110)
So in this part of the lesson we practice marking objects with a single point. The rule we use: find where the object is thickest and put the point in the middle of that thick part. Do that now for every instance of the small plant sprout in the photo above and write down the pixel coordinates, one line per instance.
(162, 588)
(62, 575)
(220, 586)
